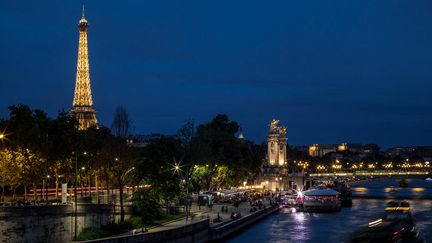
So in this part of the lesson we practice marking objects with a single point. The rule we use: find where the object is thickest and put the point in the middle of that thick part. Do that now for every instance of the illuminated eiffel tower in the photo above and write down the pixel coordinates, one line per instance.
(82, 107)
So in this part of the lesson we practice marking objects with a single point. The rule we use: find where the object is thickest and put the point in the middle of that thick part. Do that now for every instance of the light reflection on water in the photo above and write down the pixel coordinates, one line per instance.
(390, 189)
(289, 226)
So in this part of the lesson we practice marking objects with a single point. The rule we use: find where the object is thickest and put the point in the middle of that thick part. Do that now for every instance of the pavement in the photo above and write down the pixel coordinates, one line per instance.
(204, 212)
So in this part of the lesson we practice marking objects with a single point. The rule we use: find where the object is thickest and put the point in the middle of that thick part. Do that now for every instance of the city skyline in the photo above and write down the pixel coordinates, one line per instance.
(148, 64)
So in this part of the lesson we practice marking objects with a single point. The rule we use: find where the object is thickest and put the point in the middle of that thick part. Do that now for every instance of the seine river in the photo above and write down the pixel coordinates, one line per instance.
(290, 226)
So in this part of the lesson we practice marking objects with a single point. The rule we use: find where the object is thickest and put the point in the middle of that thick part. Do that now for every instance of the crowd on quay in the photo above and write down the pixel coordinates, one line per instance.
(234, 204)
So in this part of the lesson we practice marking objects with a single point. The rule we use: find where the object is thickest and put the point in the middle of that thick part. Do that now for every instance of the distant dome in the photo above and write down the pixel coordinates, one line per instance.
(241, 135)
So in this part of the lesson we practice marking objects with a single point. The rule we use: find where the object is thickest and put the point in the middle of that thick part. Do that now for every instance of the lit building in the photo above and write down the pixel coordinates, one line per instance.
(359, 148)
(82, 107)
(342, 147)
(319, 150)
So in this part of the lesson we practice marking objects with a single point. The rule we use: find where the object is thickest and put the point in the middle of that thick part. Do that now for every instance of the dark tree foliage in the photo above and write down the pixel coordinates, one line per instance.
(121, 124)
(213, 146)
(157, 167)
(145, 204)
(45, 143)
(216, 145)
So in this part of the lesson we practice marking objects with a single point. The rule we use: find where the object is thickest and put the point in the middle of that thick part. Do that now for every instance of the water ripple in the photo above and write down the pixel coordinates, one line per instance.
(287, 226)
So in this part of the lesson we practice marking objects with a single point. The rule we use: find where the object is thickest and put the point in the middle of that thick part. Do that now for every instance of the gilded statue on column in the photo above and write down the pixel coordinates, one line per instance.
(282, 131)
(273, 125)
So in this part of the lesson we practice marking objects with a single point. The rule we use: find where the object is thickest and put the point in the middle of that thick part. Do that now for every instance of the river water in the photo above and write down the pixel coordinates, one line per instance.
(291, 226)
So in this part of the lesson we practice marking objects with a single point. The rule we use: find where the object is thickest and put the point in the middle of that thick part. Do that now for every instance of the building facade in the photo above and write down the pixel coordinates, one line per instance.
(319, 150)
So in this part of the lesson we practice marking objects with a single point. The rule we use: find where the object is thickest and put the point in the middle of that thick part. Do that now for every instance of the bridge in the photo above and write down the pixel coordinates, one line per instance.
(372, 174)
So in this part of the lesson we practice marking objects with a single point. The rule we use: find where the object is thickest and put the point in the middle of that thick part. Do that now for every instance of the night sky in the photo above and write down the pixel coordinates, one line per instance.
(331, 71)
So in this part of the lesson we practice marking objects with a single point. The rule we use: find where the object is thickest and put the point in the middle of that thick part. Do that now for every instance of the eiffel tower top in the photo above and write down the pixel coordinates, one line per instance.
(83, 25)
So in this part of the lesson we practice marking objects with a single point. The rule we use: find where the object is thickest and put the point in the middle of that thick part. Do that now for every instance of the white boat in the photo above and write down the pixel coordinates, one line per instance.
(321, 199)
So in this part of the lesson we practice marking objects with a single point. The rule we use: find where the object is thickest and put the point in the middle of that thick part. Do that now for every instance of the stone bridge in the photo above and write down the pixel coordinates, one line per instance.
(374, 174)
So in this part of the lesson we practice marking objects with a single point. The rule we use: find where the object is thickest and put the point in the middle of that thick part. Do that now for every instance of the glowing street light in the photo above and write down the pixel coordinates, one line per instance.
(176, 167)
(2, 137)
(320, 167)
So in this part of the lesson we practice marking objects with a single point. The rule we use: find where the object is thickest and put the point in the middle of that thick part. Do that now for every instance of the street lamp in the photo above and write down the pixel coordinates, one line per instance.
(177, 169)
(128, 171)
(2, 137)
(75, 193)
(81, 180)
(46, 188)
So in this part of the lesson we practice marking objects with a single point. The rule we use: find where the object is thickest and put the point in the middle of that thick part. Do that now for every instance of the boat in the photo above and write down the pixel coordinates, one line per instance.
(320, 199)
(397, 225)
(340, 186)
(289, 200)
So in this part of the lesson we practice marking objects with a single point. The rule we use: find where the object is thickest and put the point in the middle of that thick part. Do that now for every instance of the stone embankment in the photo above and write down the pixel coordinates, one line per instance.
(197, 231)
(219, 232)
(53, 223)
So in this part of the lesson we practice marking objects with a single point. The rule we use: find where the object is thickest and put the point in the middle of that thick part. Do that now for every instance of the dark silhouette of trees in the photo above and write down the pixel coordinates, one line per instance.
(121, 124)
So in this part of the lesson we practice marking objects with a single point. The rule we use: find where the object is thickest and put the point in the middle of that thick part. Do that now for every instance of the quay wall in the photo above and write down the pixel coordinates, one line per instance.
(196, 232)
(53, 223)
(219, 233)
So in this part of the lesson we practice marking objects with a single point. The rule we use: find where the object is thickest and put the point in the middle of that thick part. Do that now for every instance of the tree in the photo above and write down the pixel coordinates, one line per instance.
(121, 124)
(92, 142)
(11, 172)
(121, 156)
(62, 141)
(145, 204)
(29, 137)
(216, 145)
(123, 160)
(159, 159)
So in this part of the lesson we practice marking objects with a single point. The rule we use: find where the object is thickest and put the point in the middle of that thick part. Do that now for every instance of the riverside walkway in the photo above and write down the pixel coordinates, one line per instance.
(200, 213)
(199, 228)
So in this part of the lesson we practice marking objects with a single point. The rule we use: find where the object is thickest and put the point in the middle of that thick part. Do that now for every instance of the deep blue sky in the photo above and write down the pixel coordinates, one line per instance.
(332, 71)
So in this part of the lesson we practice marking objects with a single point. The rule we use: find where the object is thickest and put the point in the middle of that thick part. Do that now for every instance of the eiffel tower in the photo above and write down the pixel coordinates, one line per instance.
(82, 107)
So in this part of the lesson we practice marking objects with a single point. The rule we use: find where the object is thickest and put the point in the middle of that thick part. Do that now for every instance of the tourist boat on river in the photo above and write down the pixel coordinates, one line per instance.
(340, 186)
(288, 198)
(320, 199)
(397, 225)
